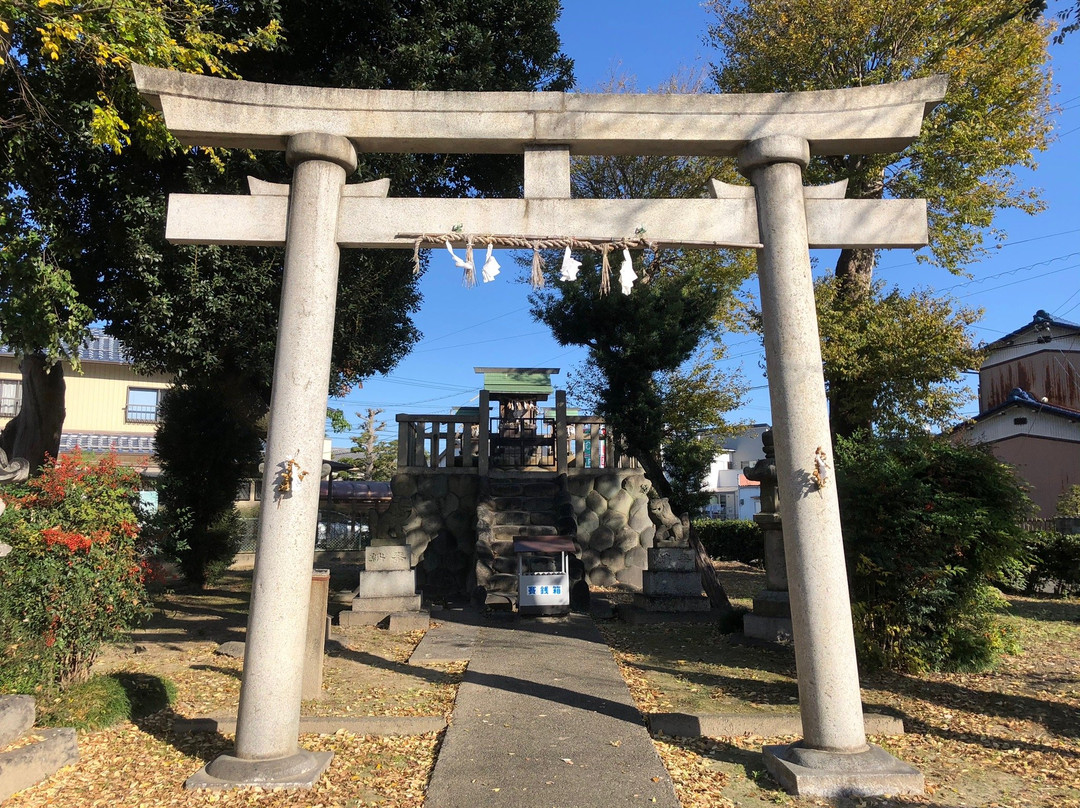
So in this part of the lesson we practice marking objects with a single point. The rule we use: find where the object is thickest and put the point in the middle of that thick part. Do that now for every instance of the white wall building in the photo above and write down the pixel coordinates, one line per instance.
(733, 495)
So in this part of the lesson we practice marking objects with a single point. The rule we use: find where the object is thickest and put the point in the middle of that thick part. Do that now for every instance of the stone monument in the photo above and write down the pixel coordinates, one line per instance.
(771, 618)
(387, 591)
(671, 584)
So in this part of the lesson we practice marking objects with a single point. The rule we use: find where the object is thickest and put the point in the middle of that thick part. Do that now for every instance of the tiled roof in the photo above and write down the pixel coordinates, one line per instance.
(99, 348)
(91, 442)
(1040, 320)
(1022, 398)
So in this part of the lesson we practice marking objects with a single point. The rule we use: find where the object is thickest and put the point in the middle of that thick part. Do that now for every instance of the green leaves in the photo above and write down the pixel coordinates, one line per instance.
(40, 308)
(74, 579)
(899, 359)
(928, 526)
(995, 117)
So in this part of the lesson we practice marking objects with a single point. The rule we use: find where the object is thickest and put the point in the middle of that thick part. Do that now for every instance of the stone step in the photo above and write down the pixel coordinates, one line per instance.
(506, 532)
(387, 605)
(395, 621)
(29, 765)
(517, 488)
(17, 714)
(671, 603)
(523, 503)
(545, 517)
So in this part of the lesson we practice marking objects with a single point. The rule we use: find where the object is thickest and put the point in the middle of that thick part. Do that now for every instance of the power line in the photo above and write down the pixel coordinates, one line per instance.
(503, 338)
(475, 325)
(1006, 245)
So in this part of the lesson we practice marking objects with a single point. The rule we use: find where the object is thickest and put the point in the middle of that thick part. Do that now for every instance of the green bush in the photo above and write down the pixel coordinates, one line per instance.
(731, 539)
(196, 521)
(928, 525)
(73, 580)
(102, 701)
(1052, 559)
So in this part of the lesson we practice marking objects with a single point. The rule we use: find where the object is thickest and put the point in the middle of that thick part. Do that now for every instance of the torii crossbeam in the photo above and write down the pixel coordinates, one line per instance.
(772, 136)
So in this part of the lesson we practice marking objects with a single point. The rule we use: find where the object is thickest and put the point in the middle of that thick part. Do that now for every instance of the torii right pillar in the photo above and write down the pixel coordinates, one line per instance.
(833, 759)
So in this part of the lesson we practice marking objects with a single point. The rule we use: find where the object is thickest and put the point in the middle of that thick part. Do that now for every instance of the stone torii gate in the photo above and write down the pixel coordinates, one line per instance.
(322, 130)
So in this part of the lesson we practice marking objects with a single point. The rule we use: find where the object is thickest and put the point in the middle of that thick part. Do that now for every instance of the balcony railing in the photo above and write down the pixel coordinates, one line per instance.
(437, 441)
(141, 414)
(9, 407)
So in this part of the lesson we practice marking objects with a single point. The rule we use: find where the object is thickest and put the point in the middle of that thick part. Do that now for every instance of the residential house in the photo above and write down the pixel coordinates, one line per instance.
(732, 495)
(109, 406)
(1029, 406)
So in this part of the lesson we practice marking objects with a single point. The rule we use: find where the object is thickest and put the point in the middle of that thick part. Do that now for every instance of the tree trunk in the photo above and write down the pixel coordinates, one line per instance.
(35, 431)
(710, 582)
(848, 412)
(855, 273)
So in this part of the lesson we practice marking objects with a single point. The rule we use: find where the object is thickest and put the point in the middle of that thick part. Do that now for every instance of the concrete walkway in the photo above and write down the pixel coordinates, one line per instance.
(542, 719)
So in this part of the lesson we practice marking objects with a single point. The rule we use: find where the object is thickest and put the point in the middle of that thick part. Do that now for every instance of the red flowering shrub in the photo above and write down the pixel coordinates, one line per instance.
(73, 580)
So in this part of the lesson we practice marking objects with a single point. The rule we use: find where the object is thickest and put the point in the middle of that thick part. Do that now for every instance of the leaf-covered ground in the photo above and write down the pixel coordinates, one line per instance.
(145, 763)
(1009, 737)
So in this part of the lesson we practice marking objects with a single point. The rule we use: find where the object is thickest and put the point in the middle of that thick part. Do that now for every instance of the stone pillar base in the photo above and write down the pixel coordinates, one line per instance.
(770, 629)
(816, 773)
(301, 770)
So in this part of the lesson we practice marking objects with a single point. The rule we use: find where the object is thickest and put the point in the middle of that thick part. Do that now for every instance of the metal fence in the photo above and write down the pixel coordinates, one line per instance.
(334, 531)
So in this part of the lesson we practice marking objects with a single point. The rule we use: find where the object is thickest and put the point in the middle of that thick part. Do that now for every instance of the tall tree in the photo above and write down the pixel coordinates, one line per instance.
(899, 358)
(994, 118)
(373, 459)
(65, 90)
(649, 371)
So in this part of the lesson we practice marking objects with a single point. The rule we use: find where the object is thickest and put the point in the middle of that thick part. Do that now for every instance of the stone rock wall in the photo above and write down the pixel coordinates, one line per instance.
(614, 525)
(435, 515)
(610, 513)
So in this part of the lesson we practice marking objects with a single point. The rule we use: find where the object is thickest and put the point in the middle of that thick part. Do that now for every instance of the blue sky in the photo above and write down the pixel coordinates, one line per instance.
(489, 325)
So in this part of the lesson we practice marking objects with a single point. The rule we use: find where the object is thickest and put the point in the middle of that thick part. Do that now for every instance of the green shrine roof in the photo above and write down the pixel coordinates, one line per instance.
(532, 383)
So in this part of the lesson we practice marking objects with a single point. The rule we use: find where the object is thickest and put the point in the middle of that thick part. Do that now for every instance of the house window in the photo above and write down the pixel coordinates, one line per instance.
(142, 406)
(10, 397)
(243, 491)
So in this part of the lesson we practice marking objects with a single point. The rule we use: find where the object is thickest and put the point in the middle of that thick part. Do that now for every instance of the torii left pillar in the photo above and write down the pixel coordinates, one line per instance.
(268, 724)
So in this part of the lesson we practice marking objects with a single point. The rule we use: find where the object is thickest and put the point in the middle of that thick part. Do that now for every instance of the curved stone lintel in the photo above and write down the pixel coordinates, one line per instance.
(207, 111)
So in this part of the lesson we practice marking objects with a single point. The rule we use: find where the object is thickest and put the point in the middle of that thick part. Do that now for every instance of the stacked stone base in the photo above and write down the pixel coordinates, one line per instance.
(387, 592)
(817, 773)
(771, 618)
(671, 586)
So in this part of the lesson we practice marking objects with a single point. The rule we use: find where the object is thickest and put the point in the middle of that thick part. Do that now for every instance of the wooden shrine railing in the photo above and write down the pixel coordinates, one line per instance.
(567, 444)
(437, 441)
(590, 445)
